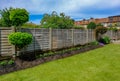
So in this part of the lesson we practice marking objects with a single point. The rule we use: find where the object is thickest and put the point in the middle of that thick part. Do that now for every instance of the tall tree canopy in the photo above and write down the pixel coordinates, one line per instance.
(13, 17)
(91, 25)
(54, 20)
(5, 20)
(19, 16)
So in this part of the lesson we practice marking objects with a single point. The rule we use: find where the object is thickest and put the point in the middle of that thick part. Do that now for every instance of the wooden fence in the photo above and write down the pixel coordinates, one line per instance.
(5, 46)
(114, 35)
(48, 39)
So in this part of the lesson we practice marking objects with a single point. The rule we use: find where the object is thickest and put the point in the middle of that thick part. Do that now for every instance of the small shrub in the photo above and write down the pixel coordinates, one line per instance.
(101, 30)
(99, 24)
(3, 63)
(20, 39)
(94, 43)
(10, 62)
(114, 29)
(79, 27)
(105, 40)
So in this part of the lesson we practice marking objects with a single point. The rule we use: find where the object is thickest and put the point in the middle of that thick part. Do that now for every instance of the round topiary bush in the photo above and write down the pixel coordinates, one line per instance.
(20, 39)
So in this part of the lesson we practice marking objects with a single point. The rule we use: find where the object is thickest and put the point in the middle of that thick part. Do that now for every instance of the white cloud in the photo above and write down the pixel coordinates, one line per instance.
(44, 6)
(105, 4)
(69, 7)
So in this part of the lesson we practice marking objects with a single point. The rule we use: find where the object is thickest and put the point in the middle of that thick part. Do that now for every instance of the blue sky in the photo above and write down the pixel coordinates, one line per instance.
(76, 9)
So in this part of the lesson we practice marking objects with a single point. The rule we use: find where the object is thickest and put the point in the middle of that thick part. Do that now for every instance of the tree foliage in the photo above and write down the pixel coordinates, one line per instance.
(57, 21)
(5, 20)
(0, 22)
(100, 31)
(105, 40)
(19, 16)
(99, 24)
(91, 25)
(20, 39)
(13, 17)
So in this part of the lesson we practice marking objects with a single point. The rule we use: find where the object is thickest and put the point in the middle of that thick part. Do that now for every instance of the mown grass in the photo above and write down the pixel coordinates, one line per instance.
(102, 64)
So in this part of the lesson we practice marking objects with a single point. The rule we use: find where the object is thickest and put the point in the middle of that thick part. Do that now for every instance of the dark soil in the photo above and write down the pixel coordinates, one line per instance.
(22, 64)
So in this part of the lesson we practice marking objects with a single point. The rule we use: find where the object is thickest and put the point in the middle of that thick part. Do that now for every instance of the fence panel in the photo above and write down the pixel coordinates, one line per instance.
(114, 35)
(47, 39)
(5, 46)
(61, 38)
(91, 36)
(40, 39)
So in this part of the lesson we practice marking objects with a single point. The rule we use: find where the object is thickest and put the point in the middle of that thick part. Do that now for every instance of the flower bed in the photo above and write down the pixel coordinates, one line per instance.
(46, 57)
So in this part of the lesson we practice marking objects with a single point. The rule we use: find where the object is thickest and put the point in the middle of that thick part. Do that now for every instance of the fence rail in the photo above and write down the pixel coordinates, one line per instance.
(48, 39)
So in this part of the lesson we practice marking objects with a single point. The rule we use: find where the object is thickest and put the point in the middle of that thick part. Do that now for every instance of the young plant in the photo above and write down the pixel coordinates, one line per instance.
(3, 63)
(94, 43)
(10, 62)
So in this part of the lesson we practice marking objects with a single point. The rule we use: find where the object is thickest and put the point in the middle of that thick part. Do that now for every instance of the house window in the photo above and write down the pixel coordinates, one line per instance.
(110, 19)
(118, 24)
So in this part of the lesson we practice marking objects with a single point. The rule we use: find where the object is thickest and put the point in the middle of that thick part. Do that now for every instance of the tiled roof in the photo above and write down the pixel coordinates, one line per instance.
(99, 20)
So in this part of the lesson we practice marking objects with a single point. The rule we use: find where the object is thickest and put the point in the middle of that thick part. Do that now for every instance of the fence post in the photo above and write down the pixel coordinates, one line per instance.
(72, 37)
(111, 34)
(87, 36)
(94, 35)
(50, 38)
(13, 46)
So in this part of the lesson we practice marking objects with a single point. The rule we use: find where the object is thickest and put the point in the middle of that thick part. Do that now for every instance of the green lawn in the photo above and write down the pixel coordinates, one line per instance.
(102, 64)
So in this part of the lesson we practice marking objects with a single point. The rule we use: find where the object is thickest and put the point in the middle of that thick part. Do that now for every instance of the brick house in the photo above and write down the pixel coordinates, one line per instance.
(106, 22)
(114, 20)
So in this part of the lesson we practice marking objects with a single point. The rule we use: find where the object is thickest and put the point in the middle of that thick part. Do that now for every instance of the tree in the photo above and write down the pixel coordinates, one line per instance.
(54, 20)
(5, 20)
(18, 16)
(100, 31)
(20, 39)
(0, 22)
(13, 17)
(91, 25)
